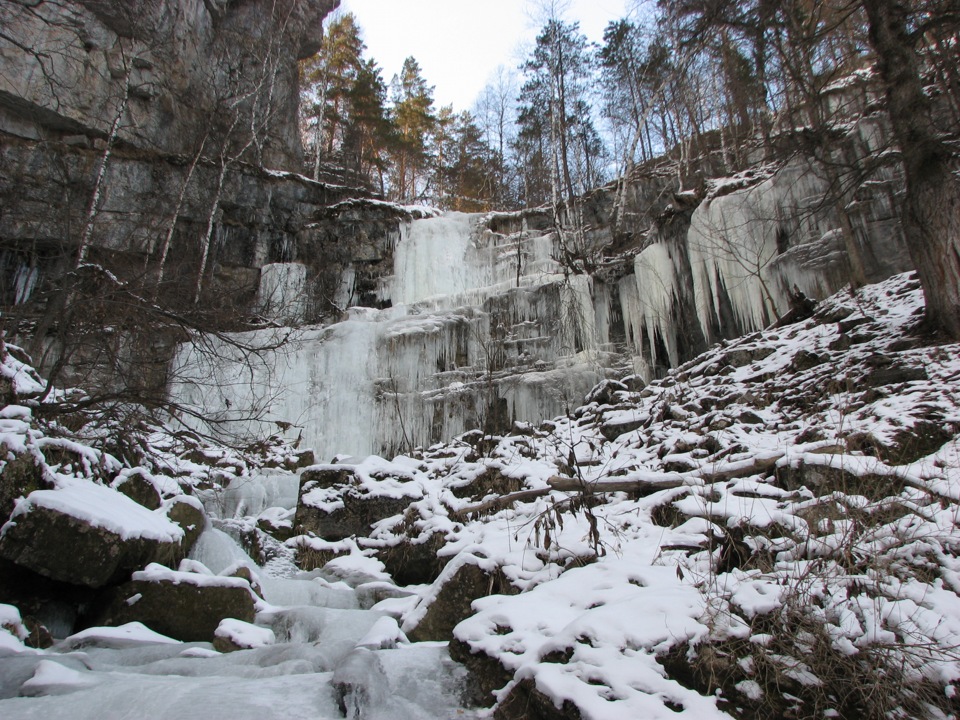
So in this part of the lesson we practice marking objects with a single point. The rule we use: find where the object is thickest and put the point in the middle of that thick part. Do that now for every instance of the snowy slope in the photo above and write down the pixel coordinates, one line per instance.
(768, 531)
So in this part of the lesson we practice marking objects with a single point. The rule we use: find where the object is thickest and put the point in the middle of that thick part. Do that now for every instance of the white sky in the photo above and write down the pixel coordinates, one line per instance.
(460, 43)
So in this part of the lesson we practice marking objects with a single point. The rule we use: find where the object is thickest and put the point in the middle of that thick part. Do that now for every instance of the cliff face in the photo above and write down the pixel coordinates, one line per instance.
(177, 73)
(157, 133)
(158, 139)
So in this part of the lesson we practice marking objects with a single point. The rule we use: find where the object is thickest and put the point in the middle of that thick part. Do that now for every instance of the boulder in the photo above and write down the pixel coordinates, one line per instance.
(233, 635)
(826, 475)
(441, 611)
(53, 604)
(19, 477)
(526, 702)
(333, 506)
(187, 513)
(138, 487)
(182, 605)
(87, 534)
(485, 674)
(415, 560)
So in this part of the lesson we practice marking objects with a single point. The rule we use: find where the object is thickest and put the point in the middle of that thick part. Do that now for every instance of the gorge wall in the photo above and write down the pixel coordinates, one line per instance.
(481, 321)
(165, 134)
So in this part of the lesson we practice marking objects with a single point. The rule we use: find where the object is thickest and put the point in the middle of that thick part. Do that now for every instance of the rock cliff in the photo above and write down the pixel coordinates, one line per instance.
(156, 132)
(177, 73)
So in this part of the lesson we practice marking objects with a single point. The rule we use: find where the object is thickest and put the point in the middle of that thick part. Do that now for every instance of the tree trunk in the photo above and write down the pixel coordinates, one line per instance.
(932, 205)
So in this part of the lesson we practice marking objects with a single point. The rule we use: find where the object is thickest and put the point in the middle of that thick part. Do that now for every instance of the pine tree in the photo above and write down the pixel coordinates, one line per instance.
(413, 119)
(327, 80)
(369, 133)
(555, 102)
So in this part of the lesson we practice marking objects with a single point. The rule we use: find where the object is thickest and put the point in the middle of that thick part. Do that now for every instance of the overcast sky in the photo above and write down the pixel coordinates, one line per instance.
(460, 43)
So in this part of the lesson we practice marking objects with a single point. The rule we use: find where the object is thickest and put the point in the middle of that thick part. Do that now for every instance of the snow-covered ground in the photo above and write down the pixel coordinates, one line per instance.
(770, 528)
(770, 531)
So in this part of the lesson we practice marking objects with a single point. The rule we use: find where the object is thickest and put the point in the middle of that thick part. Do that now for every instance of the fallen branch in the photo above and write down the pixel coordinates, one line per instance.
(501, 501)
(637, 481)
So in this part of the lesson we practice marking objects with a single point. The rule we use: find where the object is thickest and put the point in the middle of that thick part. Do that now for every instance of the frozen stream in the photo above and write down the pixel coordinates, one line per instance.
(338, 653)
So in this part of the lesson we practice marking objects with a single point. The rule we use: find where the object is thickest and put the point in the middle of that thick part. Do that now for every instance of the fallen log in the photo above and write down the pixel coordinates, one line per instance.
(634, 482)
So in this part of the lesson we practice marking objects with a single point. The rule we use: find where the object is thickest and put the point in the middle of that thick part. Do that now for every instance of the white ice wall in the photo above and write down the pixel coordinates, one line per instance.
(466, 333)
(282, 293)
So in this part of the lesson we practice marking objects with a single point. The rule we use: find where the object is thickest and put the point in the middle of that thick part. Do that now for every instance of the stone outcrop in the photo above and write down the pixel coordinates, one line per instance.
(184, 606)
(138, 487)
(186, 513)
(163, 137)
(88, 535)
(451, 603)
(172, 71)
(352, 513)
(19, 477)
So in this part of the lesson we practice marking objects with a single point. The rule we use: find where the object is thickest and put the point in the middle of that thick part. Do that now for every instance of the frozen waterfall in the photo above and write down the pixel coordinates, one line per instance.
(483, 330)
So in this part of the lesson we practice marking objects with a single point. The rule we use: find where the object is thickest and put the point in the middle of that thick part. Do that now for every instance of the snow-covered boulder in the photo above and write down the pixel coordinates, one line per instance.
(187, 513)
(186, 606)
(137, 485)
(340, 501)
(232, 635)
(86, 534)
(451, 597)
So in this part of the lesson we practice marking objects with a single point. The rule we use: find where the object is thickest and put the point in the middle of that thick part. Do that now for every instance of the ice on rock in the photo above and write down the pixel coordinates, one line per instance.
(131, 634)
(407, 683)
(281, 295)
(252, 495)
(300, 640)
(647, 300)
(477, 319)
(384, 635)
(52, 678)
(334, 632)
(436, 257)
(244, 634)
(217, 551)
(289, 592)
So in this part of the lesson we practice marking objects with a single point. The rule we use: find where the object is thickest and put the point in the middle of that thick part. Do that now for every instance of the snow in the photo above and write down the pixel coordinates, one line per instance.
(52, 678)
(768, 492)
(101, 507)
(714, 445)
(12, 630)
(155, 572)
(131, 634)
(244, 634)
(384, 635)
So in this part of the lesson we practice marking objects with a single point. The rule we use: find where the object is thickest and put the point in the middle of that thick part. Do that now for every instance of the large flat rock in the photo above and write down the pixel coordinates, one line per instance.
(87, 534)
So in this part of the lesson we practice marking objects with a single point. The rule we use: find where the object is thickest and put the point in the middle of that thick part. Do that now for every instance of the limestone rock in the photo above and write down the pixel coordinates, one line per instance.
(458, 590)
(138, 488)
(19, 477)
(184, 606)
(526, 702)
(53, 604)
(351, 513)
(233, 635)
(187, 513)
(414, 561)
(87, 534)
(173, 56)
(486, 674)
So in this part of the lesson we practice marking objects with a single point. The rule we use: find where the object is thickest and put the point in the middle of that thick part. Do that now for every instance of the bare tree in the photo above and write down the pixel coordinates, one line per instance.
(932, 213)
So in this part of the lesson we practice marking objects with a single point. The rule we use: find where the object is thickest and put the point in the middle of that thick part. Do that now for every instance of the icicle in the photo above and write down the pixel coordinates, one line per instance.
(481, 328)
(281, 295)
